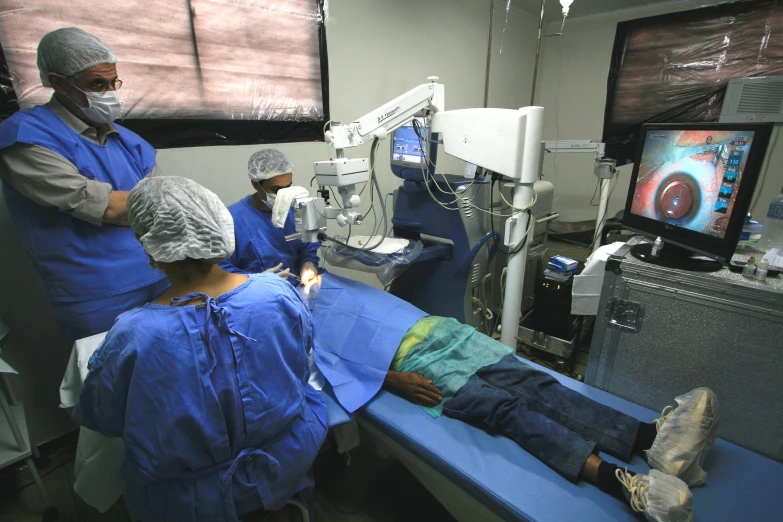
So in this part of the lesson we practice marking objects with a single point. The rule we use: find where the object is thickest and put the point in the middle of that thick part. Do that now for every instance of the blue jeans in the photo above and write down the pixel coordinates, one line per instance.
(85, 318)
(561, 427)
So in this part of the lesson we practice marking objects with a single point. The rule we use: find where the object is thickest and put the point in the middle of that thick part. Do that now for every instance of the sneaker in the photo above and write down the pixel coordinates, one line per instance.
(661, 497)
(685, 436)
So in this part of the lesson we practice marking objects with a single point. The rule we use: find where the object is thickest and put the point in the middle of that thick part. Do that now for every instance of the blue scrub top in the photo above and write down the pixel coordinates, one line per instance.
(212, 402)
(261, 246)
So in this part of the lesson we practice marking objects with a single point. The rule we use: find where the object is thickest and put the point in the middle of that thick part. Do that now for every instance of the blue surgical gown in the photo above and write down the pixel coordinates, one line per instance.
(212, 402)
(261, 246)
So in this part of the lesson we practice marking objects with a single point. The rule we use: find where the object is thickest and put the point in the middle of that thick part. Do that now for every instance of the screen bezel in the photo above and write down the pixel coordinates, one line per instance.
(698, 242)
(427, 141)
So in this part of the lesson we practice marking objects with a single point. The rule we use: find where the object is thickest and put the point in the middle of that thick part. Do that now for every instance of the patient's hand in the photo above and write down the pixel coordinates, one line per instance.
(413, 386)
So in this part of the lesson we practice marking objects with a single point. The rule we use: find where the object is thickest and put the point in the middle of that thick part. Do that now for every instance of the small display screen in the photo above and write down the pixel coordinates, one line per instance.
(407, 146)
(690, 178)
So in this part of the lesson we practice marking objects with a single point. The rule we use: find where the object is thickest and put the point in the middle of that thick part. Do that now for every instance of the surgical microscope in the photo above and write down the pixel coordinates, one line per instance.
(503, 141)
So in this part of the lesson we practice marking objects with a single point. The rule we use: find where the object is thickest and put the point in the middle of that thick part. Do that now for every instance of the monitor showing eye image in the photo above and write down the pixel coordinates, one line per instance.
(692, 183)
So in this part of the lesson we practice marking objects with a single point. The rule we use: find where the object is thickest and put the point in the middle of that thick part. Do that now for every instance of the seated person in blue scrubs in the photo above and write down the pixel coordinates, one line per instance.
(207, 385)
(260, 246)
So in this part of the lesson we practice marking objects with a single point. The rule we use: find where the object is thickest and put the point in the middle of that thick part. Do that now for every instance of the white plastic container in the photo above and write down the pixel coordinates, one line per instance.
(761, 270)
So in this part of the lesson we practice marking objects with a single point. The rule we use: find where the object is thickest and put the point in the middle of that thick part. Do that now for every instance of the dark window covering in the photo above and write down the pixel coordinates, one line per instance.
(196, 73)
(674, 68)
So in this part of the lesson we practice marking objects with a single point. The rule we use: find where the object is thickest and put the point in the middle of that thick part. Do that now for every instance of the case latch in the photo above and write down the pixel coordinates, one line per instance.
(625, 315)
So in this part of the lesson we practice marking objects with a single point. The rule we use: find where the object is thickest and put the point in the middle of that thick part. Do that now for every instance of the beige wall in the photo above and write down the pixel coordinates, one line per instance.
(377, 50)
(572, 88)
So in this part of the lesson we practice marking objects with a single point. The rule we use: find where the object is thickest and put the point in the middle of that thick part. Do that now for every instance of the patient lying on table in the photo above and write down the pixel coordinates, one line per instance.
(372, 338)
(208, 385)
(446, 366)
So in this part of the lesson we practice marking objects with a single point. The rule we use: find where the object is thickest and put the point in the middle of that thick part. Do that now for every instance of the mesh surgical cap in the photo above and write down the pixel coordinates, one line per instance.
(70, 50)
(176, 218)
(268, 163)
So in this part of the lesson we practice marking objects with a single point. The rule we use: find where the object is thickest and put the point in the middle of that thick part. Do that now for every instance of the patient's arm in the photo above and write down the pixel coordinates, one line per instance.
(412, 386)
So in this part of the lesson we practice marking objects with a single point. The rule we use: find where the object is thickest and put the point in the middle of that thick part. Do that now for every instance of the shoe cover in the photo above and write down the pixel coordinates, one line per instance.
(669, 499)
(685, 437)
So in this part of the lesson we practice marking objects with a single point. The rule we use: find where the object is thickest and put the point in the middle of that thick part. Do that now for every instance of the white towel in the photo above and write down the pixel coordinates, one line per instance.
(283, 202)
(96, 467)
(586, 292)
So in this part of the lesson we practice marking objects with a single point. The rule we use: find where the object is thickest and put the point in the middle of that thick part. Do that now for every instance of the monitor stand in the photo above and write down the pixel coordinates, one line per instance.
(672, 256)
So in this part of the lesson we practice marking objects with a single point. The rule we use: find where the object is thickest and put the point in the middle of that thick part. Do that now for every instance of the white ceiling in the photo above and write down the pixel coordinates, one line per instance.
(579, 8)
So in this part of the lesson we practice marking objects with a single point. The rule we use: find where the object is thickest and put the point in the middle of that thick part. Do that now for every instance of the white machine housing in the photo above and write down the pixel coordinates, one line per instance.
(496, 139)
(342, 172)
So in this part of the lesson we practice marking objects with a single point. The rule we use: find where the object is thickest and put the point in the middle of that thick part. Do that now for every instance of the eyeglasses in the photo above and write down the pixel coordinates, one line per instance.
(101, 86)
(98, 85)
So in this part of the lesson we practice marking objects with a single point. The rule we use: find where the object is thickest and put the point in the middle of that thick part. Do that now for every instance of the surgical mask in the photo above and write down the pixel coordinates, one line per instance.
(103, 107)
(270, 200)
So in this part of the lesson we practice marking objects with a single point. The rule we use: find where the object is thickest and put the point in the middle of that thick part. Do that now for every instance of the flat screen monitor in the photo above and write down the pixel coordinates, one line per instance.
(409, 150)
(692, 185)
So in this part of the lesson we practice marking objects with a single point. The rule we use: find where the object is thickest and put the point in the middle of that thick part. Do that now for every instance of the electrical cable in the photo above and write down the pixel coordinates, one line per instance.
(335, 198)
(595, 191)
(557, 116)
(531, 205)
(487, 315)
(377, 187)
(373, 151)
(492, 224)
(380, 196)
(427, 175)
(375, 229)
(427, 178)
(502, 294)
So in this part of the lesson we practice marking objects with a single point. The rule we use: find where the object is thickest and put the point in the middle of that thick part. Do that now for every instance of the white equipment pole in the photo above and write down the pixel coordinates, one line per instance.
(517, 225)
(605, 170)
(601, 219)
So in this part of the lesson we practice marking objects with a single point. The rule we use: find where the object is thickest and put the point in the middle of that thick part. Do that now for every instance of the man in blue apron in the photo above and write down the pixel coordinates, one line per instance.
(66, 171)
